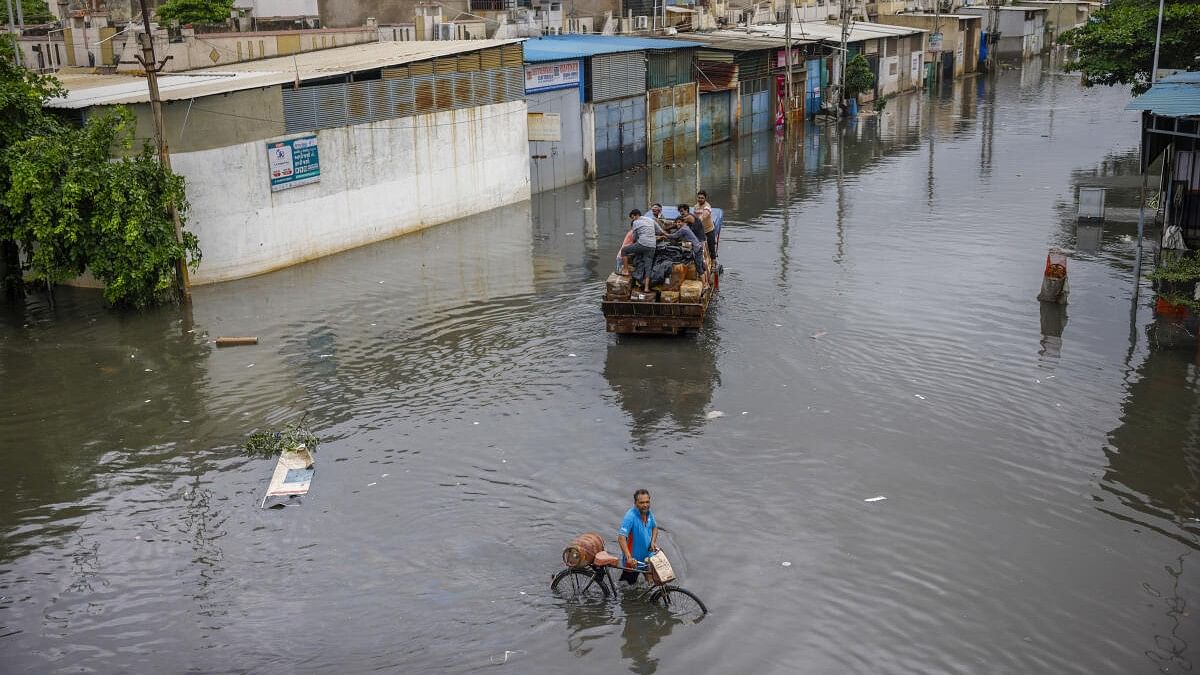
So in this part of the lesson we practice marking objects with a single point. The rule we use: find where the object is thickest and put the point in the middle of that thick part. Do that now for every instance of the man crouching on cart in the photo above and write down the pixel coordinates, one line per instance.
(638, 536)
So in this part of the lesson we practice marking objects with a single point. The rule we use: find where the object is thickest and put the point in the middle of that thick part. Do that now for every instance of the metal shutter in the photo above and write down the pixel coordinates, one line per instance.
(753, 65)
(618, 76)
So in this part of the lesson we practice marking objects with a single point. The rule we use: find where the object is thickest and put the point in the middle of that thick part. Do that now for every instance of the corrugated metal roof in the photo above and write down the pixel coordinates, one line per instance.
(560, 47)
(819, 30)
(84, 91)
(1176, 95)
(740, 41)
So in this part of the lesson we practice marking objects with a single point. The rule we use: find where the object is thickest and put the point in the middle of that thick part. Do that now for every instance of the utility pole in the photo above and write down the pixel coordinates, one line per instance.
(845, 56)
(787, 76)
(12, 28)
(152, 67)
(937, 33)
(1157, 42)
(992, 39)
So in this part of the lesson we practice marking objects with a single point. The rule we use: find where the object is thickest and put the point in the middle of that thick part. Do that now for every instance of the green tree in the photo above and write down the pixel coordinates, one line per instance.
(1117, 45)
(859, 77)
(70, 206)
(36, 11)
(77, 208)
(194, 11)
(22, 94)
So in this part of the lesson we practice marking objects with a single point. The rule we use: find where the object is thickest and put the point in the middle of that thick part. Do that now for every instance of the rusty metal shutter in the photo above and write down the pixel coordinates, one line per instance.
(753, 65)
(714, 56)
(617, 76)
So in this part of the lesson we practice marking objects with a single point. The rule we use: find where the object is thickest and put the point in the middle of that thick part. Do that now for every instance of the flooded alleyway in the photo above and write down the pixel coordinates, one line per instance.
(877, 334)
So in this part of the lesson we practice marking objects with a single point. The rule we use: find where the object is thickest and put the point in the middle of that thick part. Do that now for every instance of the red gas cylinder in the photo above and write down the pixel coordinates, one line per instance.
(583, 550)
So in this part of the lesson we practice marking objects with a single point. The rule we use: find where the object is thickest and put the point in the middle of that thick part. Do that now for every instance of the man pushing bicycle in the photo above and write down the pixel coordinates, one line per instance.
(638, 536)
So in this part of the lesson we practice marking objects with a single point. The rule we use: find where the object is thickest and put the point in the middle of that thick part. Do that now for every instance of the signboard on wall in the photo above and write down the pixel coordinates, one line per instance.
(797, 58)
(935, 42)
(546, 76)
(293, 162)
(545, 127)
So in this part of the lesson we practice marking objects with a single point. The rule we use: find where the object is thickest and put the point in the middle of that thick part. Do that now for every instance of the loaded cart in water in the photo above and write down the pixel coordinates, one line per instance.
(677, 301)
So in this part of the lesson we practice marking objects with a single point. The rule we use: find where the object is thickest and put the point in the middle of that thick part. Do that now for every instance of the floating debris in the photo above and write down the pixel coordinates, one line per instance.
(236, 341)
(875, 499)
(293, 475)
(714, 414)
(290, 437)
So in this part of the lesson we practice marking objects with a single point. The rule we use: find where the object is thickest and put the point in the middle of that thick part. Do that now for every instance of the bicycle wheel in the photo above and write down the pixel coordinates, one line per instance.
(579, 585)
(680, 602)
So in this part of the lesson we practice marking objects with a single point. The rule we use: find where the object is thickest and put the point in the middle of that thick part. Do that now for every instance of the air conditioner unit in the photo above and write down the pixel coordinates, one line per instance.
(641, 23)
(445, 31)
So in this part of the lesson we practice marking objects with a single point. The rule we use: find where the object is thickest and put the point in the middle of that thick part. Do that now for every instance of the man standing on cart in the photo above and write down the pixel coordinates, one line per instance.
(638, 536)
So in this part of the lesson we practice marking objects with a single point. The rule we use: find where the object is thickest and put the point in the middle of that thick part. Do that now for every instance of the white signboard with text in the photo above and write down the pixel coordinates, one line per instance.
(547, 76)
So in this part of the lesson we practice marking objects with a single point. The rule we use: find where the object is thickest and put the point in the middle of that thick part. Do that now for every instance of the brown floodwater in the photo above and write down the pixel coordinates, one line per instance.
(877, 334)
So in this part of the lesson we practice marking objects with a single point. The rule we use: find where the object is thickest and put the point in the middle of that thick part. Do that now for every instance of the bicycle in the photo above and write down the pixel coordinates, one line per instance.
(594, 583)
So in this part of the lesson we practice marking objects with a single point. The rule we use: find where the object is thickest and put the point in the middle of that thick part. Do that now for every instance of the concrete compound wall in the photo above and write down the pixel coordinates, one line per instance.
(378, 181)
(216, 49)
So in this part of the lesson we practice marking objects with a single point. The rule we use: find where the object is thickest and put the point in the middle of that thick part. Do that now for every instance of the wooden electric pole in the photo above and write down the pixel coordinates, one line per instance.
(152, 67)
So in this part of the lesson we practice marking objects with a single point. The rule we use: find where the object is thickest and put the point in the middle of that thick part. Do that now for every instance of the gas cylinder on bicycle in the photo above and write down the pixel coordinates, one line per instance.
(582, 550)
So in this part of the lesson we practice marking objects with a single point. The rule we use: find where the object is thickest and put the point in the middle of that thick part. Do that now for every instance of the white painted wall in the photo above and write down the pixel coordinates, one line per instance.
(378, 181)
(269, 8)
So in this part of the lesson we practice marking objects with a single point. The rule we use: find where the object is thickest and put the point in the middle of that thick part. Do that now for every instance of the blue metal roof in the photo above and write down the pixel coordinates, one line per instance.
(1175, 95)
(560, 47)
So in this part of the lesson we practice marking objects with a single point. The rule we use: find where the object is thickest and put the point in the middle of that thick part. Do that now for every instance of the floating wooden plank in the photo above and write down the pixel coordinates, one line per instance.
(236, 341)
(293, 474)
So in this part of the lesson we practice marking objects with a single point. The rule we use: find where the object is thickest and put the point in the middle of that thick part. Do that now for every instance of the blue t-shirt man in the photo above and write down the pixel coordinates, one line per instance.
(637, 536)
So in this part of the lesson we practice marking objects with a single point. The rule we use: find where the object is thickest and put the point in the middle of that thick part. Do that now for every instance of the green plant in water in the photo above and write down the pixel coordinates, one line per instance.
(859, 77)
(1177, 268)
(290, 437)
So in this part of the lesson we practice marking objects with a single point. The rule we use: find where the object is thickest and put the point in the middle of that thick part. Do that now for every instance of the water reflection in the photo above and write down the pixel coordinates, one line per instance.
(588, 624)
(1054, 322)
(665, 385)
(1154, 455)
(645, 626)
(69, 392)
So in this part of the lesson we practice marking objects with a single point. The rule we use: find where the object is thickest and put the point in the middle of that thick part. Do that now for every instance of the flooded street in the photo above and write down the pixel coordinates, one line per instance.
(876, 334)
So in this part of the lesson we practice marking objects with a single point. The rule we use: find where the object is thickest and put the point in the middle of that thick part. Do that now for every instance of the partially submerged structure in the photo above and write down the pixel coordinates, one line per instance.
(628, 100)
(1171, 127)
(290, 159)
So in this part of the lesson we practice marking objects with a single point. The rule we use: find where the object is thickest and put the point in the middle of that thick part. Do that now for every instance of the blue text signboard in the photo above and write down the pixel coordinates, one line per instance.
(293, 162)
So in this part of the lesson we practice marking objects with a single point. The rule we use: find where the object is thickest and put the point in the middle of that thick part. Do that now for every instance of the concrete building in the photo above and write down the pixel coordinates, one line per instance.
(1021, 30)
(1171, 125)
(277, 9)
(1063, 15)
(895, 53)
(96, 44)
(294, 158)
(504, 18)
(755, 66)
(638, 103)
(961, 38)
